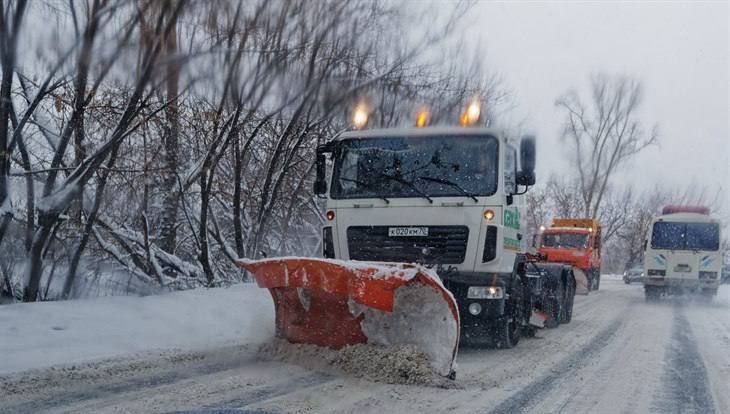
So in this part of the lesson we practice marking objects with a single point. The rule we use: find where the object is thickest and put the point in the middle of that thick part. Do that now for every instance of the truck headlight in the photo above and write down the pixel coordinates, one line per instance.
(475, 309)
(485, 292)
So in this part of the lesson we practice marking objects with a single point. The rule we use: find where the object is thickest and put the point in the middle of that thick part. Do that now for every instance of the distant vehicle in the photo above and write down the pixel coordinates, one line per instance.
(577, 242)
(633, 275)
(682, 253)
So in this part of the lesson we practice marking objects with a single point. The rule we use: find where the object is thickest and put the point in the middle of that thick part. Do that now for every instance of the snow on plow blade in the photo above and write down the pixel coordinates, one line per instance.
(337, 303)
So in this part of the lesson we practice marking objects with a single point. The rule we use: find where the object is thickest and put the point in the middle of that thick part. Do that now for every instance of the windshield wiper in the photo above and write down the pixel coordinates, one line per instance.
(366, 185)
(450, 183)
(407, 184)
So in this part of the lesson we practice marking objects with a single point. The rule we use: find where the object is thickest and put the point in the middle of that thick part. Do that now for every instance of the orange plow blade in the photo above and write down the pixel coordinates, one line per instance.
(337, 303)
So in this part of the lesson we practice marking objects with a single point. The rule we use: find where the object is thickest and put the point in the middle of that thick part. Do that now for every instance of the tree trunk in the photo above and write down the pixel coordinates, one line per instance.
(168, 236)
(237, 177)
(204, 256)
(91, 219)
(9, 37)
(35, 262)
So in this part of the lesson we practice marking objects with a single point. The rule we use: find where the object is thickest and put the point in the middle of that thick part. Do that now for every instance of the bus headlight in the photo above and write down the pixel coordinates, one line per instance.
(485, 292)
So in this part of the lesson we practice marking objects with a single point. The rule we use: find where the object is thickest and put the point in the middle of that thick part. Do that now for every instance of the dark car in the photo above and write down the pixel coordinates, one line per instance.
(633, 275)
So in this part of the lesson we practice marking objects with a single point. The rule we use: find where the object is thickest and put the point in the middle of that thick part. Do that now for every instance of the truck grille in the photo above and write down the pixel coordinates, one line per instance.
(443, 245)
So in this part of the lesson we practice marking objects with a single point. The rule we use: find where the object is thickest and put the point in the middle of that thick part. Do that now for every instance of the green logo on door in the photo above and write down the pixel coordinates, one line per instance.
(512, 219)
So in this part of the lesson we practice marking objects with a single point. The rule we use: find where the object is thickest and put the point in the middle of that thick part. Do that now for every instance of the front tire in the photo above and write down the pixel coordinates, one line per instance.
(596, 280)
(507, 331)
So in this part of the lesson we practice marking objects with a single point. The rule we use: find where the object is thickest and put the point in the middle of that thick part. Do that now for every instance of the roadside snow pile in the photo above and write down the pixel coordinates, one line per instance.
(39, 335)
(397, 364)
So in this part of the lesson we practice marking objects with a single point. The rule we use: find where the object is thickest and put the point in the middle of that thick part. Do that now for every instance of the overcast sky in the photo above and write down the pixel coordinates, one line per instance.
(678, 50)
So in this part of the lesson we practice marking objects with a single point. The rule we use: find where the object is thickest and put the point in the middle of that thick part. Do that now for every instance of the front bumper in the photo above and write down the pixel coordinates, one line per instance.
(681, 283)
(491, 309)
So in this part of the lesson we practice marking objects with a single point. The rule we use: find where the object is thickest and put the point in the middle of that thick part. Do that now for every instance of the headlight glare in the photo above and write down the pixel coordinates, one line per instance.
(485, 292)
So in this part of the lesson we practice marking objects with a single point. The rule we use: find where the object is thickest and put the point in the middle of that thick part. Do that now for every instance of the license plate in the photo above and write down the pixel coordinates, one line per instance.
(682, 268)
(407, 231)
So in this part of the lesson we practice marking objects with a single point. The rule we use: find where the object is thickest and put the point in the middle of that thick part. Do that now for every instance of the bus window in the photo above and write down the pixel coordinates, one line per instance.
(685, 236)
(702, 236)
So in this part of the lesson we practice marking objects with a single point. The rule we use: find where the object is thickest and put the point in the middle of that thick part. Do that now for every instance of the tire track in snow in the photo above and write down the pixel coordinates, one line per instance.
(268, 392)
(537, 390)
(108, 390)
(686, 383)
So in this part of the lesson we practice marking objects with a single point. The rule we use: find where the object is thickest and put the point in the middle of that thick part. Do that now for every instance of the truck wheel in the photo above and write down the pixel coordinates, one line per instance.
(506, 332)
(568, 307)
(595, 279)
(554, 306)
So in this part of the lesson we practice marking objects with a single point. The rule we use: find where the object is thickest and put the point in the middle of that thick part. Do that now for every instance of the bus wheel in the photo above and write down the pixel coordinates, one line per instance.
(652, 293)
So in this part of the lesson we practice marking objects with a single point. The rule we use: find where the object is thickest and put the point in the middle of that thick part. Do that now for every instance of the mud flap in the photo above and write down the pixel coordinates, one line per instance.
(337, 303)
(581, 282)
(538, 318)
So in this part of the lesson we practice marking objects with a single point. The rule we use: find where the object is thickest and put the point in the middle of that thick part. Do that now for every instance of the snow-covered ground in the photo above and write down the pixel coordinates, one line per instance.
(620, 354)
(38, 335)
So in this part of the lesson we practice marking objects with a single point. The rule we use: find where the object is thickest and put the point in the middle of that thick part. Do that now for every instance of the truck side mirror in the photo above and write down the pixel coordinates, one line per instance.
(527, 161)
(320, 182)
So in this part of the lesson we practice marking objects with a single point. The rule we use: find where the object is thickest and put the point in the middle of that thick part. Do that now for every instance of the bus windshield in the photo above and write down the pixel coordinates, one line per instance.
(685, 236)
(565, 240)
(434, 166)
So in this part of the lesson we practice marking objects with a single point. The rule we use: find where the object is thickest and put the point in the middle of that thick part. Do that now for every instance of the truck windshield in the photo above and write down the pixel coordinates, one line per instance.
(669, 235)
(565, 240)
(433, 166)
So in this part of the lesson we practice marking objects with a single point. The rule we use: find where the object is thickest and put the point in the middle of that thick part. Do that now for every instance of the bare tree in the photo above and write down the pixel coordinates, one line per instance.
(11, 19)
(179, 135)
(603, 134)
(58, 197)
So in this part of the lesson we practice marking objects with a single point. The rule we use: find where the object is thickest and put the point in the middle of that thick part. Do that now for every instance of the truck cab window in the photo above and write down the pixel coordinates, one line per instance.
(459, 166)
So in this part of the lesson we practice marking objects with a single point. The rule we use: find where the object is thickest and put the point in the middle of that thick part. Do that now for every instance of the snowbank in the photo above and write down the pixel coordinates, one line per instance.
(38, 335)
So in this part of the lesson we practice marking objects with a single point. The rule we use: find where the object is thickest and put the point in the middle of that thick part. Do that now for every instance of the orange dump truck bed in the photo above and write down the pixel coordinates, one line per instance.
(578, 223)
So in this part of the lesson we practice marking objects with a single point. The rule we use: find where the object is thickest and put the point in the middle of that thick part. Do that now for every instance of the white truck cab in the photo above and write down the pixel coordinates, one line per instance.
(450, 198)
(682, 253)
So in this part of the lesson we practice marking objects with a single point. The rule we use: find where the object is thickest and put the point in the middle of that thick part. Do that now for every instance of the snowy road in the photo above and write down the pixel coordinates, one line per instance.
(619, 355)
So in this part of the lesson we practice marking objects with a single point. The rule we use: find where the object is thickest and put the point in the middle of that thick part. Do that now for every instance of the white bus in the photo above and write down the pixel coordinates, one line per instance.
(682, 253)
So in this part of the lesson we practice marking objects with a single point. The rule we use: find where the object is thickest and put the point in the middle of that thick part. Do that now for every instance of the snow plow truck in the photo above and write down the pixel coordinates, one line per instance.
(424, 244)
(576, 242)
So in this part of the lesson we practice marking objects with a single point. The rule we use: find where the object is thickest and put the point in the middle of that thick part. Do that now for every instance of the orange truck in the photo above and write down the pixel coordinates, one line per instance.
(576, 242)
